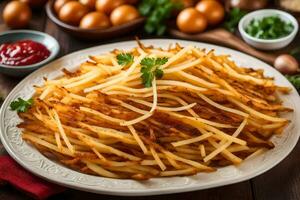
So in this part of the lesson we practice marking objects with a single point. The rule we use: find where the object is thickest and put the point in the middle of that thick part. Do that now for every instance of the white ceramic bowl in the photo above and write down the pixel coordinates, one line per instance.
(271, 44)
(16, 35)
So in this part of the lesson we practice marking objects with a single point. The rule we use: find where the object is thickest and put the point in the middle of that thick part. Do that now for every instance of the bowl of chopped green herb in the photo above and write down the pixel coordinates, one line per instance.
(268, 29)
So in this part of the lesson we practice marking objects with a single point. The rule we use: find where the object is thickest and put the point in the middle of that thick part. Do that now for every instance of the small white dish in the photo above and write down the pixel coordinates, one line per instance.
(271, 44)
(43, 38)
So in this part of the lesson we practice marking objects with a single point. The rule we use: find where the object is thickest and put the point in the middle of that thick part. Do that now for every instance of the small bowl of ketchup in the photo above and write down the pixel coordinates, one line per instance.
(23, 51)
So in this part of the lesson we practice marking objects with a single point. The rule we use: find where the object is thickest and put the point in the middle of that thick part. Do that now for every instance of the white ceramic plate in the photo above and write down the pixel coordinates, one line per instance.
(38, 164)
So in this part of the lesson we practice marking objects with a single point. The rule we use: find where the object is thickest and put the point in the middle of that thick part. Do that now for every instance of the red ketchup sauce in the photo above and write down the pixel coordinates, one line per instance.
(23, 52)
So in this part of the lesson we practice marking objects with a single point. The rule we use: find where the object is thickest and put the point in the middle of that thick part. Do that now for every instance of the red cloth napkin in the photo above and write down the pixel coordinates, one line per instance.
(14, 174)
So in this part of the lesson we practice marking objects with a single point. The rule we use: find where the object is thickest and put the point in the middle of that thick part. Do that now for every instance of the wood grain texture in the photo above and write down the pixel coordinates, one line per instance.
(241, 191)
(62, 37)
(281, 182)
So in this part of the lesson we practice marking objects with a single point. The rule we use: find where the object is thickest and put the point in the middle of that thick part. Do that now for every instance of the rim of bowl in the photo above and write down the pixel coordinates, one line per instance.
(52, 55)
(272, 12)
(57, 21)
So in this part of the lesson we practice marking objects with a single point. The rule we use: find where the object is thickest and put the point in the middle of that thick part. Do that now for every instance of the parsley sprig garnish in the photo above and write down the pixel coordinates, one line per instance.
(124, 58)
(151, 68)
(21, 105)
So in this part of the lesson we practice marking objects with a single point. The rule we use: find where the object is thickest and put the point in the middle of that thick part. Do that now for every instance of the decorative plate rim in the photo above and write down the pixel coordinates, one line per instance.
(35, 162)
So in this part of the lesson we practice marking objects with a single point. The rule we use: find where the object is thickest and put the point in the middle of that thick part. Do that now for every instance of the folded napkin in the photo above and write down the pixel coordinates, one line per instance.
(14, 174)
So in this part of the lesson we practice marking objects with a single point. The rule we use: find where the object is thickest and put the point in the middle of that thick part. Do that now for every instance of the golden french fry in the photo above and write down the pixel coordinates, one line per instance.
(203, 111)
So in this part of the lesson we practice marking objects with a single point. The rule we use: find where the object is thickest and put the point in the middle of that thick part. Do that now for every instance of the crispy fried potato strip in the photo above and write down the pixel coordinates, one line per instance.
(204, 112)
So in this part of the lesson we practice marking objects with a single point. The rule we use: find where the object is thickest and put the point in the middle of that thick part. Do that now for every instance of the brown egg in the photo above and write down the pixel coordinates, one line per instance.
(91, 4)
(35, 3)
(72, 12)
(123, 14)
(95, 20)
(16, 14)
(107, 6)
(213, 11)
(58, 4)
(191, 20)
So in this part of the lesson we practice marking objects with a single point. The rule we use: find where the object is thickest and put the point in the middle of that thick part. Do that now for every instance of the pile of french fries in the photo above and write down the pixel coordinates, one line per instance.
(205, 112)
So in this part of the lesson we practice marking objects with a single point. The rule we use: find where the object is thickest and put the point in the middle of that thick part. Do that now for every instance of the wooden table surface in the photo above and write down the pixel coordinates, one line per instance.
(280, 183)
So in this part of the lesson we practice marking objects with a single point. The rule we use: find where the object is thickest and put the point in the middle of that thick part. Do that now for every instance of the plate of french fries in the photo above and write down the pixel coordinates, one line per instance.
(151, 117)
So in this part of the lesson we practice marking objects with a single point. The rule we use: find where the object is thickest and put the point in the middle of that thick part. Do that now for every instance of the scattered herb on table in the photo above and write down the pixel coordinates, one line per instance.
(233, 18)
(157, 12)
(21, 105)
(124, 58)
(272, 27)
(151, 68)
(296, 53)
(295, 80)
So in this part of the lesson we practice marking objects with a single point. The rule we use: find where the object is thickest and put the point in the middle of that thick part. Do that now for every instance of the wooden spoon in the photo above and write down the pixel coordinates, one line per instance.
(223, 37)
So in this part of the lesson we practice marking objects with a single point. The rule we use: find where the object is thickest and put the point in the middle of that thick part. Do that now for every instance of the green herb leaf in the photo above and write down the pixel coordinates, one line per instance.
(296, 53)
(151, 68)
(146, 7)
(124, 58)
(157, 12)
(21, 105)
(271, 27)
(233, 18)
(295, 80)
(159, 73)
